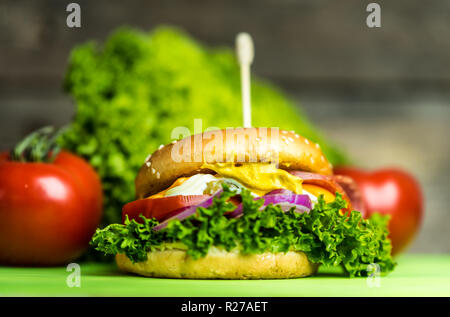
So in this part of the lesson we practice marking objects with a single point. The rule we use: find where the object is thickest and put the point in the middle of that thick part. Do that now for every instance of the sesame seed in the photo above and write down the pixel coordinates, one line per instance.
(291, 139)
(284, 132)
(148, 164)
(297, 136)
(173, 142)
(161, 146)
(312, 160)
(153, 170)
(318, 145)
(306, 141)
(322, 158)
(148, 157)
(158, 175)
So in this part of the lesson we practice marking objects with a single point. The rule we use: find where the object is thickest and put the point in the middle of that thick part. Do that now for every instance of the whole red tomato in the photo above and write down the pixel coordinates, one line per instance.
(48, 211)
(391, 192)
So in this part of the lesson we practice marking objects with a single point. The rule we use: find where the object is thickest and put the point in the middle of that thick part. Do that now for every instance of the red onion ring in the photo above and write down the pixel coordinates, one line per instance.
(286, 199)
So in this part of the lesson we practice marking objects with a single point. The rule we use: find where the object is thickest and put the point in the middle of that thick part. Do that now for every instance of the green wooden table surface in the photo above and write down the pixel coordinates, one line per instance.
(415, 275)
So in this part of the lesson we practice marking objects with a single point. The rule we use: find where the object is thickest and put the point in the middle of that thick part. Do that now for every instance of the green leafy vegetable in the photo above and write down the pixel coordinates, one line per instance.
(133, 90)
(324, 234)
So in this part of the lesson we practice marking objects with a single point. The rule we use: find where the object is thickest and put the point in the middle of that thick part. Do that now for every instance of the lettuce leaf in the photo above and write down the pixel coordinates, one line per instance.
(324, 234)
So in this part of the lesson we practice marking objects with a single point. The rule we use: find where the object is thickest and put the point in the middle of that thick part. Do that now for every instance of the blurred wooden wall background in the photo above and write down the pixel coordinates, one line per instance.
(383, 94)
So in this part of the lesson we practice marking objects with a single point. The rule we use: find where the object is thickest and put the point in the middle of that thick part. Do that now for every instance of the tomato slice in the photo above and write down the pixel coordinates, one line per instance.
(159, 208)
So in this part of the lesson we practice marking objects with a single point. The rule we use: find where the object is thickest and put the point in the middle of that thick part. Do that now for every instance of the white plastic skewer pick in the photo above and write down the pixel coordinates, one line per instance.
(245, 54)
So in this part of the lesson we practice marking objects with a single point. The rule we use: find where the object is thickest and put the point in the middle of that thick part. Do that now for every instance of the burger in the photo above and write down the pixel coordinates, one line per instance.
(245, 203)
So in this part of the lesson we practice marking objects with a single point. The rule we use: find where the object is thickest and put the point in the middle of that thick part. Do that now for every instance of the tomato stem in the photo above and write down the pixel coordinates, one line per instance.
(38, 146)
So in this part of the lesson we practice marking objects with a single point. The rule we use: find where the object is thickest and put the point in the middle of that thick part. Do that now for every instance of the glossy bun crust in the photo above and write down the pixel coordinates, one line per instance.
(186, 157)
(218, 264)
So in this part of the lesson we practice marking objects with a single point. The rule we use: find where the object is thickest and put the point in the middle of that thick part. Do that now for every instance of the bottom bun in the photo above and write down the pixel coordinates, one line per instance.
(218, 264)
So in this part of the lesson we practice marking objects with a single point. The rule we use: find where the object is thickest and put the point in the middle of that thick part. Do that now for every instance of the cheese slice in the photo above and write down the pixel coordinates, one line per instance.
(317, 191)
(161, 194)
(259, 178)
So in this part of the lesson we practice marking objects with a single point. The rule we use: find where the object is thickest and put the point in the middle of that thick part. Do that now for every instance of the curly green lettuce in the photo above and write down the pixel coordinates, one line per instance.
(324, 234)
(131, 91)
